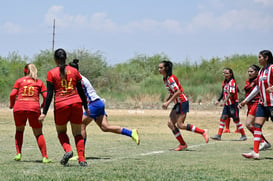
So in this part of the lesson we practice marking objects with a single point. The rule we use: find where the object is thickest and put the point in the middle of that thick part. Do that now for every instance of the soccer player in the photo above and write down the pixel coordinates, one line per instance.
(178, 113)
(251, 83)
(230, 105)
(65, 82)
(97, 112)
(24, 99)
(264, 86)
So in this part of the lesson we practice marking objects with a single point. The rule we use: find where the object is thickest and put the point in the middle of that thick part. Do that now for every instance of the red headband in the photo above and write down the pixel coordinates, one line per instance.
(25, 70)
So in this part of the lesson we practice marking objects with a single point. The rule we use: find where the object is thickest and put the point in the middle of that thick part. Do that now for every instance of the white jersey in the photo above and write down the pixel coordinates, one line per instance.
(89, 91)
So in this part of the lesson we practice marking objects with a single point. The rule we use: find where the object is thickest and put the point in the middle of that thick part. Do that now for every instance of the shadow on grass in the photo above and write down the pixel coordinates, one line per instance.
(97, 158)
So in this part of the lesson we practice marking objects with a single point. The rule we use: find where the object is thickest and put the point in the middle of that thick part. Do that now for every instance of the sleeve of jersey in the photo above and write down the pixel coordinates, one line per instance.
(49, 77)
(44, 94)
(13, 97)
(13, 94)
(81, 94)
(232, 87)
(271, 76)
(173, 84)
(50, 88)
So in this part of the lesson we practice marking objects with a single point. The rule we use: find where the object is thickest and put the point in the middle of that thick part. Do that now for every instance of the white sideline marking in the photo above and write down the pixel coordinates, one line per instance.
(160, 151)
(152, 153)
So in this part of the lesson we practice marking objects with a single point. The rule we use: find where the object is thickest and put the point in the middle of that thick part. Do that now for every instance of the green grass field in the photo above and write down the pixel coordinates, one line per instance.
(116, 157)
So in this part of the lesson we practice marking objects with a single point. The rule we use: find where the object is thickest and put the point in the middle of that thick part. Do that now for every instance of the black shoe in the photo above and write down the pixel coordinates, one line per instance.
(216, 137)
(83, 164)
(66, 157)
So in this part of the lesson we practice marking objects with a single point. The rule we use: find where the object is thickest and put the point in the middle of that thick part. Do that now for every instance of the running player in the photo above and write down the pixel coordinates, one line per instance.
(178, 113)
(26, 92)
(230, 105)
(65, 81)
(264, 86)
(97, 112)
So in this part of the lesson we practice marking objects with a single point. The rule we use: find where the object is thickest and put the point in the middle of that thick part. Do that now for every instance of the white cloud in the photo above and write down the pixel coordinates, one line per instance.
(232, 20)
(10, 27)
(101, 22)
(265, 2)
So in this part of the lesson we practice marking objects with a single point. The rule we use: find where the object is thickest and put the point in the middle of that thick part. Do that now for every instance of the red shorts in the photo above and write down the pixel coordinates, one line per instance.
(21, 117)
(72, 113)
(251, 109)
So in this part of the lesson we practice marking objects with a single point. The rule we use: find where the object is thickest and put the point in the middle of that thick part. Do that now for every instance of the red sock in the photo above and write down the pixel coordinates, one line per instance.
(257, 139)
(64, 140)
(80, 147)
(178, 136)
(42, 145)
(221, 127)
(194, 129)
(19, 141)
(240, 127)
(227, 121)
(252, 130)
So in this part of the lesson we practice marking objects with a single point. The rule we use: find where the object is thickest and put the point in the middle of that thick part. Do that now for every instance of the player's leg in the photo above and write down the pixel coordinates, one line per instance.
(176, 132)
(76, 122)
(61, 120)
(234, 112)
(20, 119)
(222, 123)
(38, 133)
(227, 123)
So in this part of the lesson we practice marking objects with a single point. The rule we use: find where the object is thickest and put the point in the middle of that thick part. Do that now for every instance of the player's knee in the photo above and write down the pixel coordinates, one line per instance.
(181, 125)
(104, 128)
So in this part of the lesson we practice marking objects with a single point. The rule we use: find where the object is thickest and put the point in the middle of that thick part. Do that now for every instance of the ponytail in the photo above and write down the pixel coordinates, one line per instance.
(60, 58)
(31, 71)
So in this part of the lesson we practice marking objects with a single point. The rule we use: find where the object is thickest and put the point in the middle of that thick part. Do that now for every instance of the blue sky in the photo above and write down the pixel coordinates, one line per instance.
(121, 29)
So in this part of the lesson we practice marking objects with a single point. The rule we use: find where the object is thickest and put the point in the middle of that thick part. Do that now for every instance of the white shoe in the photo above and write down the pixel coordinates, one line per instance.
(267, 146)
(264, 146)
(251, 154)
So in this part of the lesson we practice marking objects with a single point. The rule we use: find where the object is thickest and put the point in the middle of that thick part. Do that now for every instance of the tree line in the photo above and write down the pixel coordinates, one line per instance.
(135, 83)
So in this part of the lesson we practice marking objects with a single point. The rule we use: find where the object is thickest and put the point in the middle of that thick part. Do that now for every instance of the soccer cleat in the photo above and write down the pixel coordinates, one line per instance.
(216, 137)
(46, 160)
(181, 147)
(264, 146)
(135, 136)
(243, 138)
(66, 157)
(226, 130)
(18, 157)
(205, 135)
(251, 154)
(268, 145)
(83, 164)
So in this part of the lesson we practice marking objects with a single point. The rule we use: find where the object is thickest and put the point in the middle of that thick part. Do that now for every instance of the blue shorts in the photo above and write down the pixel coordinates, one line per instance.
(265, 112)
(231, 110)
(181, 108)
(96, 109)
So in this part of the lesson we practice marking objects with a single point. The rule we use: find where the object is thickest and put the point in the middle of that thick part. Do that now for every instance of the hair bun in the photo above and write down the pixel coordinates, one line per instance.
(76, 61)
